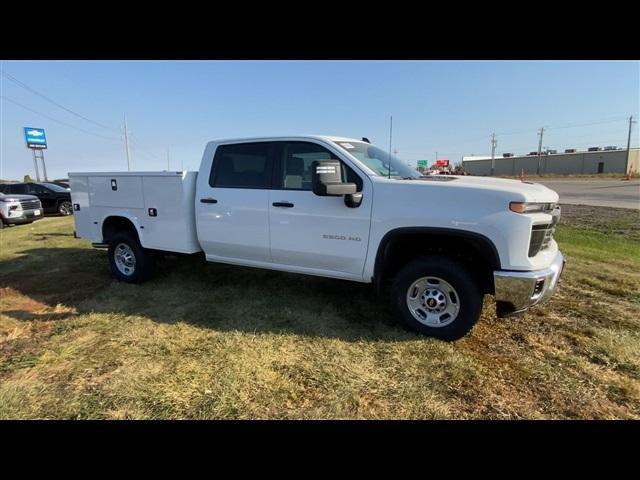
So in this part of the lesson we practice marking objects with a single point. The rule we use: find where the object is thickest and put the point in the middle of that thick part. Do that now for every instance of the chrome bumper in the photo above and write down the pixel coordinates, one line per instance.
(517, 291)
(25, 216)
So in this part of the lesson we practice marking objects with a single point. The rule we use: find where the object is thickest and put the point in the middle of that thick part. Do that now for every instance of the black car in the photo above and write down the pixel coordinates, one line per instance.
(63, 182)
(54, 198)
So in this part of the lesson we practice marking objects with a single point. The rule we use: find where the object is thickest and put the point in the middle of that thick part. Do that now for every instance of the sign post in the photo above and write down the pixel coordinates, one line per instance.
(35, 165)
(37, 142)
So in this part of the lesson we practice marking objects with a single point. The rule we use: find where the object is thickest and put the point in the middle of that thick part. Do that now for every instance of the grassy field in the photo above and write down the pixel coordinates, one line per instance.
(214, 341)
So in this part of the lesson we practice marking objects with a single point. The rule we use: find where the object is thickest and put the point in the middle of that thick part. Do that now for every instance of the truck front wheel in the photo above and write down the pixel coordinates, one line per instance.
(437, 297)
(129, 262)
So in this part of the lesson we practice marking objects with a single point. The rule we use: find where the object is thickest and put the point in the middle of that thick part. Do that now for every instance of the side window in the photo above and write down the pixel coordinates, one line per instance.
(18, 189)
(33, 189)
(243, 165)
(294, 166)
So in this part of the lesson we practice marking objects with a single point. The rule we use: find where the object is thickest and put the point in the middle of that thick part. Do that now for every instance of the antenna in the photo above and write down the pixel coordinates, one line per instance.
(390, 135)
(126, 144)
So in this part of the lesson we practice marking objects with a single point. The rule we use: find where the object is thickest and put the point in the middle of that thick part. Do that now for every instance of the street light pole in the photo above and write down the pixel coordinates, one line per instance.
(629, 145)
(493, 153)
(540, 148)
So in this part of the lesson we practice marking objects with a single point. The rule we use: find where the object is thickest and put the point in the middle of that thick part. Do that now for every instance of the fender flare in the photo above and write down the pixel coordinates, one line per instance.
(132, 219)
(485, 244)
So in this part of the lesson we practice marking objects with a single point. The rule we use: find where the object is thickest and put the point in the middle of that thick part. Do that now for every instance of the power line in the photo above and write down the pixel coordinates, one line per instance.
(609, 120)
(35, 92)
(143, 150)
(56, 120)
(589, 124)
(530, 130)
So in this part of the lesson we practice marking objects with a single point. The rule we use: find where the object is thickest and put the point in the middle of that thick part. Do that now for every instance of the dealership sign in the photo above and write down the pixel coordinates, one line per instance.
(442, 163)
(35, 137)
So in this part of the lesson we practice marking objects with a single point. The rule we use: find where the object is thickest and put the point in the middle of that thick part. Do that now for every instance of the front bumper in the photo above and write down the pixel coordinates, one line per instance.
(515, 292)
(26, 216)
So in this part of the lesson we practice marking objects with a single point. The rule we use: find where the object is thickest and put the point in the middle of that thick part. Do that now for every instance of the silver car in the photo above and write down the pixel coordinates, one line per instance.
(17, 209)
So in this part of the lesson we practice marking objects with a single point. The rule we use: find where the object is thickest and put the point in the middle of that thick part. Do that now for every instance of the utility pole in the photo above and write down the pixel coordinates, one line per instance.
(126, 144)
(390, 137)
(626, 168)
(494, 143)
(540, 148)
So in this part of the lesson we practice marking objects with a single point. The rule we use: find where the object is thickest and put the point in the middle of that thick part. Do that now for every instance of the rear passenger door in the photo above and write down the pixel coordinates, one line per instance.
(47, 198)
(232, 208)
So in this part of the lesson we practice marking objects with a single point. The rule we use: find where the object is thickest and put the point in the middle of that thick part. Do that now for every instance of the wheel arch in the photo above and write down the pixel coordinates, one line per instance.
(400, 245)
(118, 223)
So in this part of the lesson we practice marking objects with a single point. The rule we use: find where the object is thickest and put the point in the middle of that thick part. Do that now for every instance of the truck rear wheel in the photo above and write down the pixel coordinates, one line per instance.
(437, 297)
(129, 262)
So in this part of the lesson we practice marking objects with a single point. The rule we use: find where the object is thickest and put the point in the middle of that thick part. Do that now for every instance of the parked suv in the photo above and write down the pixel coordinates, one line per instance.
(17, 209)
(54, 198)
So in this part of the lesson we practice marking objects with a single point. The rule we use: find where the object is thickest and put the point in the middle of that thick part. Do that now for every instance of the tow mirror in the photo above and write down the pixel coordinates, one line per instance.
(326, 180)
(353, 200)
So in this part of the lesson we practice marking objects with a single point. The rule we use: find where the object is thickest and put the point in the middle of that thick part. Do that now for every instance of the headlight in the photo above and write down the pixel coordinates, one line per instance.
(526, 207)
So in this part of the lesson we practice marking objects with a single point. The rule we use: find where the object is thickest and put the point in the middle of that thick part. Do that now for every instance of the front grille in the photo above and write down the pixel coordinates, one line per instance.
(541, 235)
(30, 204)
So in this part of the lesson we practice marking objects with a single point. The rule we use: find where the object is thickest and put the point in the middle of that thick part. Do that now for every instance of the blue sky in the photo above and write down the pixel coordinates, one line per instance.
(448, 107)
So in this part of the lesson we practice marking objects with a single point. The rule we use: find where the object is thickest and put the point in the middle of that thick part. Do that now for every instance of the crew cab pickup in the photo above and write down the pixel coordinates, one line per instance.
(340, 208)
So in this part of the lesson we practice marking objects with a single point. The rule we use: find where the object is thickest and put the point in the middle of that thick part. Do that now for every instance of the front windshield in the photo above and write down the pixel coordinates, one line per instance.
(377, 160)
(55, 188)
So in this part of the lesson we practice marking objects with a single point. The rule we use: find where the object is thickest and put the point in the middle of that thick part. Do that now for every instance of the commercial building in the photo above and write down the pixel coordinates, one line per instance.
(602, 161)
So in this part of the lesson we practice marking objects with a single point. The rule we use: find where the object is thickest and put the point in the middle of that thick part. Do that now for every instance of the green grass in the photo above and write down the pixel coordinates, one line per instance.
(215, 341)
(597, 245)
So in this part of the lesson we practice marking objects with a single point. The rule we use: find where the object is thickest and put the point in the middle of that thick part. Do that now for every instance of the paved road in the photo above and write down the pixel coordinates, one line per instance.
(599, 193)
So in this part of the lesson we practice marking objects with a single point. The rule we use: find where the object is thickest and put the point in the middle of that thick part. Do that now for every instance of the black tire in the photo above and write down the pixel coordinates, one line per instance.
(65, 208)
(1, 224)
(469, 297)
(144, 261)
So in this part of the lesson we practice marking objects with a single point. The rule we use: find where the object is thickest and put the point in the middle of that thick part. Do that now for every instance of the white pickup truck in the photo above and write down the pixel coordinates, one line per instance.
(341, 208)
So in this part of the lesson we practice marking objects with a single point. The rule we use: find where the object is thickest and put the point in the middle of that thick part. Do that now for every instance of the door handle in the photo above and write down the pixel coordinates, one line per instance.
(208, 200)
(282, 204)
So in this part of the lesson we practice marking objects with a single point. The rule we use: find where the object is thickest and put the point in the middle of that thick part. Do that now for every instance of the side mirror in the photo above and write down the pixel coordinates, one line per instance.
(326, 180)
(353, 200)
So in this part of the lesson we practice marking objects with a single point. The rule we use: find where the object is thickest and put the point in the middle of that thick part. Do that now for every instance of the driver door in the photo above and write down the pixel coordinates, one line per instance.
(311, 233)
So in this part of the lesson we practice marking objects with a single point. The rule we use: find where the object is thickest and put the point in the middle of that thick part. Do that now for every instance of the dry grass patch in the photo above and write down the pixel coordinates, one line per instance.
(215, 341)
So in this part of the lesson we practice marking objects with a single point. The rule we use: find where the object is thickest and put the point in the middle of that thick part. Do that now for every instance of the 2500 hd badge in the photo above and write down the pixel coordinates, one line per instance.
(341, 237)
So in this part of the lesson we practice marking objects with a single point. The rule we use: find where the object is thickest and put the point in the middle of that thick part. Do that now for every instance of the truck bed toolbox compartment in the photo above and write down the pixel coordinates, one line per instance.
(159, 204)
